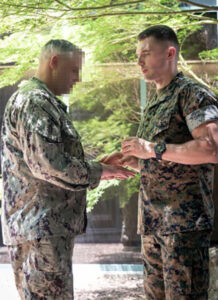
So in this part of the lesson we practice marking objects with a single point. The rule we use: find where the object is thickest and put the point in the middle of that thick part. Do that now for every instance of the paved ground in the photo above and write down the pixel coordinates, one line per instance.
(89, 283)
(96, 253)
(103, 272)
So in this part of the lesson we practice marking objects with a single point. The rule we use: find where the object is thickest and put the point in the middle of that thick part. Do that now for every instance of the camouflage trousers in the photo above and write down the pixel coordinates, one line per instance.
(176, 266)
(43, 268)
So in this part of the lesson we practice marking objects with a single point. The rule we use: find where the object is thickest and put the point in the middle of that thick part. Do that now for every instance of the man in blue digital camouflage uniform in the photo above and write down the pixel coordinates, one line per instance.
(175, 151)
(45, 177)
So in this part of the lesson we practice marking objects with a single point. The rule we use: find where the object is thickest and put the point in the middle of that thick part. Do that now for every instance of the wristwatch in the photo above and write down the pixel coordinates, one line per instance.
(159, 149)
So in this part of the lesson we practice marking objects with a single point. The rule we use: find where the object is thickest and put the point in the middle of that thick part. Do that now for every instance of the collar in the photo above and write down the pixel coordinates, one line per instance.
(165, 93)
(169, 86)
(43, 86)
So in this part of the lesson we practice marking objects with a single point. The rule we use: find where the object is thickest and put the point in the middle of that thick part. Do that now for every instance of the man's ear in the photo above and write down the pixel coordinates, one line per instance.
(53, 62)
(171, 53)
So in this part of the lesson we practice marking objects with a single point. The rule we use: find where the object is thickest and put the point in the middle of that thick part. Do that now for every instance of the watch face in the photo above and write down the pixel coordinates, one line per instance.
(160, 148)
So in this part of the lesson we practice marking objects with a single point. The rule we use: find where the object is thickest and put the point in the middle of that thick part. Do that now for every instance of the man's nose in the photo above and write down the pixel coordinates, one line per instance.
(140, 61)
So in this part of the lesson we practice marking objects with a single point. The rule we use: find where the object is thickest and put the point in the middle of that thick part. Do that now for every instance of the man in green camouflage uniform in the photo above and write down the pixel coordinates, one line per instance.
(175, 151)
(45, 177)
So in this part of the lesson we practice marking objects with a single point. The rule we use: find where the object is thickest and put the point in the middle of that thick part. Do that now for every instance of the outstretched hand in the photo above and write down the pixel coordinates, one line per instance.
(119, 159)
(112, 159)
(116, 172)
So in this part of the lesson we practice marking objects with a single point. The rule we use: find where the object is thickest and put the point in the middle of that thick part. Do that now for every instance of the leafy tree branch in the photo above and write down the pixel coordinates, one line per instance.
(34, 8)
(127, 13)
(69, 8)
(111, 5)
(187, 68)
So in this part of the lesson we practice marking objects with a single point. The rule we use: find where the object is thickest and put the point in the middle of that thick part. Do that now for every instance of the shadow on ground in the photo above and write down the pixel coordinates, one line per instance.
(114, 287)
(118, 258)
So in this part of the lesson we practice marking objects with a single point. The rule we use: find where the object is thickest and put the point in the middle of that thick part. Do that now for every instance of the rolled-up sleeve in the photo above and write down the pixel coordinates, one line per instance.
(199, 106)
(201, 115)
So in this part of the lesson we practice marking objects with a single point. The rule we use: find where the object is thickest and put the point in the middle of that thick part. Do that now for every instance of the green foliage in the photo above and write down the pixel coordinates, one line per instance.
(107, 34)
(17, 49)
(30, 24)
(128, 188)
(108, 115)
(209, 54)
(111, 110)
(95, 195)
(23, 49)
(169, 3)
(106, 136)
(125, 189)
(114, 40)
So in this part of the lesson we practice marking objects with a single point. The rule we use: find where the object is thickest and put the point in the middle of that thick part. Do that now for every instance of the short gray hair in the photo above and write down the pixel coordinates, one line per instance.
(59, 46)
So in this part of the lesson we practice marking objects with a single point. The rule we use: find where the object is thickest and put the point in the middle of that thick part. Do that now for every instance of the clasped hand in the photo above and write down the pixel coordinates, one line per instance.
(133, 148)
(137, 147)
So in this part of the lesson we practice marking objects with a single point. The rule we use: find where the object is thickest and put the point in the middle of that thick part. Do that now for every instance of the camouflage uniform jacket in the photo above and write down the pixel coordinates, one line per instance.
(45, 176)
(176, 197)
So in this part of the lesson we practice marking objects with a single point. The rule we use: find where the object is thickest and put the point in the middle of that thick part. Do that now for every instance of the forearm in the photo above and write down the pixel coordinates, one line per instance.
(197, 151)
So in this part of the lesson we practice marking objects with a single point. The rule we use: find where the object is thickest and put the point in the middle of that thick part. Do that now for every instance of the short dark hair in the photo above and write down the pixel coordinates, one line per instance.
(160, 33)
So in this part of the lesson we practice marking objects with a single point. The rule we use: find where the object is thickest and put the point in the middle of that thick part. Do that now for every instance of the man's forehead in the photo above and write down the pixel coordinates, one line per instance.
(144, 45)
(75, 57)
(149, 44)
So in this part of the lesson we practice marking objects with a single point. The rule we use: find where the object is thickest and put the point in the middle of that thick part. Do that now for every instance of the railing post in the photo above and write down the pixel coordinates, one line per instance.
(143, 94)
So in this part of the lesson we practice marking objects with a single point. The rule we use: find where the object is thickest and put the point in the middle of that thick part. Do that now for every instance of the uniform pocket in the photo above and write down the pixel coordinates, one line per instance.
(186, 271)
(161, 124)
(200, 270)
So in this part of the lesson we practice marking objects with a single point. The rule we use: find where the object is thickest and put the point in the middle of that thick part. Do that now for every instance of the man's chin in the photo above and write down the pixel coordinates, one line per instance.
(147, 79)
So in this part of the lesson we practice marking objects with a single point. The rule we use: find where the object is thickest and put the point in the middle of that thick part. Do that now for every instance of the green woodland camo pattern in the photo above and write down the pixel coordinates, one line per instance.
(176, 197)
(45, 175)
(47, 271)
(176, 266)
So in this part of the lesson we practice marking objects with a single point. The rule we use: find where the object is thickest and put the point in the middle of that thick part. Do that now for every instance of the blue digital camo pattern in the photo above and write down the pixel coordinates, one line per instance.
(45, 175)
(176, 197)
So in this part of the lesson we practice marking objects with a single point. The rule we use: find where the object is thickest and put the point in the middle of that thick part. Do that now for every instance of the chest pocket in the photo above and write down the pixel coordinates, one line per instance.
(156, 120)
(161, 124)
